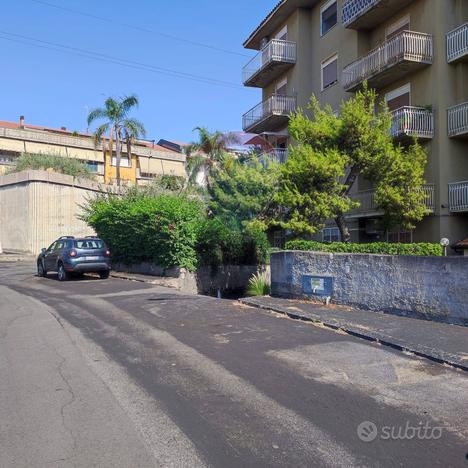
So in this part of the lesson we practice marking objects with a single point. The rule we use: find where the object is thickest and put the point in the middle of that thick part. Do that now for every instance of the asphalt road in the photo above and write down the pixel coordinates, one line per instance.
(112, 373)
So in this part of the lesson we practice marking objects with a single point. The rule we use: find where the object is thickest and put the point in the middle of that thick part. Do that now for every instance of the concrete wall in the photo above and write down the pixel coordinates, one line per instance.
(435, 288)
(37, 207)
(207, 280)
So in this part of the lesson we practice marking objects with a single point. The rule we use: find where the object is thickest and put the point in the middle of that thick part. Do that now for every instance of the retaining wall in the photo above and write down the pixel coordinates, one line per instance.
(37, 207)
(225, 279)
(434, 288)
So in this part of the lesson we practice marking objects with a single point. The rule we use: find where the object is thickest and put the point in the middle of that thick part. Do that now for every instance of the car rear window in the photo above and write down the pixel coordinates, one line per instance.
(89, 244)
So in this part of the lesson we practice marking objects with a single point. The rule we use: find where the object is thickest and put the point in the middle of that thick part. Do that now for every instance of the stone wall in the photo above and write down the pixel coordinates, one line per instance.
(435, 288)
(37, 207)
(225, 280)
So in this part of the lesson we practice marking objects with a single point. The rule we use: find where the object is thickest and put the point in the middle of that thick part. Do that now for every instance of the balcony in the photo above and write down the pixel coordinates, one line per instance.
(409, 122)
(277, 155)
(458, 121)
(273, 60)
(457, 44)
(366, 14)
(402, 54)
(84, 142)
(269, 115)
(458, 197)
(369, 207)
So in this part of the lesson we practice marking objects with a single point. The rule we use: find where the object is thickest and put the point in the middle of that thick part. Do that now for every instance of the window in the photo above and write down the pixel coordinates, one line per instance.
(328, 16)
(279, 239)
(280, 87)
(329, 72)
(89, 244)
(283, 34)
(92, 166)
(403, 237)
(402, 24)
(124, 161)
(399, 97)
(331, 235)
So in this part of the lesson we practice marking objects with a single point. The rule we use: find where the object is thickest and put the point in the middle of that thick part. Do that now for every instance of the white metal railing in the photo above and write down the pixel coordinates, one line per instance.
(412, 121)
(73, 141)
(353, 9)
(274, 105)
(458, 196)
(458, 119)
(366, 198)
(457, 43)
(278, 155)
(407, 45)
(276, 50)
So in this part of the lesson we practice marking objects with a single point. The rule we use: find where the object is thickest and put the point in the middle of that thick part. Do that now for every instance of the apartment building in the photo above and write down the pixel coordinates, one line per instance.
(147, 160)
(413, 52)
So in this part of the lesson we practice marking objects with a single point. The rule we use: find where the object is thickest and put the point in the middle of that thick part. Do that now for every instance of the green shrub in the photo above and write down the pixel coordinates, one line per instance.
(61, 164)
(382, 248)
(221, 244)
(259, 285)
(161, 229)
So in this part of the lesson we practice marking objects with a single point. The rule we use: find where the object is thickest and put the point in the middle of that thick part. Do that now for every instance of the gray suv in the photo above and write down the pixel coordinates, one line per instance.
(68, 255)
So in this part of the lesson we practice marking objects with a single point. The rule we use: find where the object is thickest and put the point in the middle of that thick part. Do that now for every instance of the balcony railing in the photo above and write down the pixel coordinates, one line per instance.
(457, 44)
(366, 14)
(276, 109)
(269, 63)
(406, 47)
(458, 196)
(413, 122)
(74, 142)
(278, 155)
(458, 120)
(369, 207)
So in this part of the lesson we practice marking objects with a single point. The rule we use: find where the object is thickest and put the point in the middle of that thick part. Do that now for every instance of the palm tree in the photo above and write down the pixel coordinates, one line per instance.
(119, 126)
(207, 153)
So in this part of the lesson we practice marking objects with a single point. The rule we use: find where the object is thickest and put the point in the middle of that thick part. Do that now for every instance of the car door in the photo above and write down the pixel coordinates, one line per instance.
(53, 256)
(47, 256)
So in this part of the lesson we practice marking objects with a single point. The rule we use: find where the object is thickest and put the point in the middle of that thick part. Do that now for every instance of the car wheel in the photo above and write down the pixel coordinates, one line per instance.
(104, 274)
(41, 270)
(62, 273)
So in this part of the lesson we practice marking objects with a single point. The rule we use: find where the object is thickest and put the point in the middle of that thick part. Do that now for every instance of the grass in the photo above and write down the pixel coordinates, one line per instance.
(61, 164)
(259, 285)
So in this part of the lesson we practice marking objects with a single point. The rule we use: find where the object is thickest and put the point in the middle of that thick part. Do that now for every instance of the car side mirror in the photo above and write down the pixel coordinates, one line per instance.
(43, 250)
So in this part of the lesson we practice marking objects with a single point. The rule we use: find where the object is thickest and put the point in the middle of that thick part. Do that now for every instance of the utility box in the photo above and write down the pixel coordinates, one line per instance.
(317, 285)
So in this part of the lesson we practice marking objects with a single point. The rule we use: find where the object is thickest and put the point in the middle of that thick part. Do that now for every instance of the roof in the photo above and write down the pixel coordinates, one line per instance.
(463, 244)
(275, 19)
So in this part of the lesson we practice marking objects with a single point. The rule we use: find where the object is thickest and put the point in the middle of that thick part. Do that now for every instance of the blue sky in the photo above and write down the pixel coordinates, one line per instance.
(56, 89)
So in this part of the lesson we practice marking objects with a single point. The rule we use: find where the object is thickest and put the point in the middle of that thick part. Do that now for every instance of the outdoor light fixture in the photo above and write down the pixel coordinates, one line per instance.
(444, 242)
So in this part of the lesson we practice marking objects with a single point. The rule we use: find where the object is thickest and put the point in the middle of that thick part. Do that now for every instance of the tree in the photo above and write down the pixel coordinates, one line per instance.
(206, 154)
(333, 151)
(119, 126)
(242, 192)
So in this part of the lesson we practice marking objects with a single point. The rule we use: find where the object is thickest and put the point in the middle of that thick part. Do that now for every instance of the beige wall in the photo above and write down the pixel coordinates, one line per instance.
(440, 85)
(37, 207)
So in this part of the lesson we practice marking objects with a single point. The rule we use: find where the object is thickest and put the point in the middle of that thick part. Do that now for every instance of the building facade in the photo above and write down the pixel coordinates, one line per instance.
(146, 161)
(414, 53)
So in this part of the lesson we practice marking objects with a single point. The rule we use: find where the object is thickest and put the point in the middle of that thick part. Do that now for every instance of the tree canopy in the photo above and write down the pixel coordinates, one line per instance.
(331, 151)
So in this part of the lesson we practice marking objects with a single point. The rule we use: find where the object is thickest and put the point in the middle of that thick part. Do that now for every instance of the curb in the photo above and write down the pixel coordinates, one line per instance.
(432, 354)
(154, 282)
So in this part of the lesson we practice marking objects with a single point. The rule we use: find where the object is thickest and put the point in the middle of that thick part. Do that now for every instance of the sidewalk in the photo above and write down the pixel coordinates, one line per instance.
(440, 342)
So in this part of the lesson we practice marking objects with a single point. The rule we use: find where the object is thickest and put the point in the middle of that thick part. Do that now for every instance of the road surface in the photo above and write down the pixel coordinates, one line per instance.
(113, 373)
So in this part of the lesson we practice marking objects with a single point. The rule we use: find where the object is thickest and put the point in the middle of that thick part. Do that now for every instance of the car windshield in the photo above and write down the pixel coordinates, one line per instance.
(89, 244)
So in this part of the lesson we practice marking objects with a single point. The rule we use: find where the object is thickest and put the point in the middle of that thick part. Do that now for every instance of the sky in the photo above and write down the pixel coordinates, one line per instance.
(57, 86)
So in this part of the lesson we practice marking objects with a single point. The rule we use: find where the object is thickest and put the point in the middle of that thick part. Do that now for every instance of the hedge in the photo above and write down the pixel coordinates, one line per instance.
(220, 244)
(170, 231)
(382, 248)
(161, 229)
